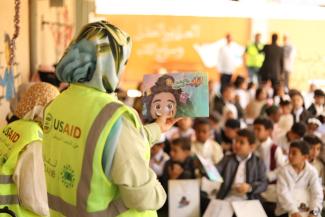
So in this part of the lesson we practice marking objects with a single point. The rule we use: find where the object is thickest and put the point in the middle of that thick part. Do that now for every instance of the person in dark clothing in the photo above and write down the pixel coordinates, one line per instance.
(214, 119)
(227, 97)
(300, 114)
(317, 108)
(228, 135)
(244, 174)
(181, 165)
(272, 68)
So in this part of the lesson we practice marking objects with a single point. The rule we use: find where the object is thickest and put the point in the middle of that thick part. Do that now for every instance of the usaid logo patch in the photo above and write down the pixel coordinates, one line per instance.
(52, 123)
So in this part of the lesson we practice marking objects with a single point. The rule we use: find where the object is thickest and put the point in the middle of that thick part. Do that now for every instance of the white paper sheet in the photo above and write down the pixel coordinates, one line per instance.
(184, 198)
(219, 208)
(248, 208)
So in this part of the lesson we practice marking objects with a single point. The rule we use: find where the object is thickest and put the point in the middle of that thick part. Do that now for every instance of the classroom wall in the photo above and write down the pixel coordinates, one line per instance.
(22, 44)
(52, 30)
(167, 41)
(308, 38)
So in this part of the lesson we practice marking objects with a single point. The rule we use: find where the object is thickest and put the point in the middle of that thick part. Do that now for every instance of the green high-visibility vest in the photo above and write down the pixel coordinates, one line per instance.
(76, 126)
(14, 137)
(254, 58)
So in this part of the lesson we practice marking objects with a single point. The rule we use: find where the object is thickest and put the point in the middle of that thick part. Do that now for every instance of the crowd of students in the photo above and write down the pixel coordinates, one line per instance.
(266, 143)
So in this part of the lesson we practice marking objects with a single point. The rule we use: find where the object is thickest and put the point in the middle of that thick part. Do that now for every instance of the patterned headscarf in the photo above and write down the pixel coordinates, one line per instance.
(96, 57)
(34, 100)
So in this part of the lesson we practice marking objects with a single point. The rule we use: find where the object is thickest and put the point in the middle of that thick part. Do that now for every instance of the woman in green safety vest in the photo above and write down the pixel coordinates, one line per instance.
(22, 177)
(96, 149)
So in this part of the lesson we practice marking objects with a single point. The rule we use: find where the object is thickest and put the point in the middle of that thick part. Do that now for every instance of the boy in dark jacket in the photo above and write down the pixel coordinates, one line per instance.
(181, 165)
(317, 108)
(244, 173)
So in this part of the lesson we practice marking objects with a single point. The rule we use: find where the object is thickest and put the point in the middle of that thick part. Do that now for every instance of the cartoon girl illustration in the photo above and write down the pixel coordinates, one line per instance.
(161, 99)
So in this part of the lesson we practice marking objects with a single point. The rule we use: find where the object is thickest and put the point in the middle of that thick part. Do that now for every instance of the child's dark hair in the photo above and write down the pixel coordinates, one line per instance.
(247, 134)
(184, 143)
(258, 92)
(227, 87)
(250, 85)
(265, 122)
(214, 117)
(299, 128)
(232, 123)
(239, 81)
(200, 121)
(295, 92)
(319, 93)
(312, 140)
(301, 145)
(285, 102)
(271, 110)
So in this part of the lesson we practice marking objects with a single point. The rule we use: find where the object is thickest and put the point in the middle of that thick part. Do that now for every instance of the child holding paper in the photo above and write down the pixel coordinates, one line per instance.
(298, 176)
(181, 165)
(243, 172)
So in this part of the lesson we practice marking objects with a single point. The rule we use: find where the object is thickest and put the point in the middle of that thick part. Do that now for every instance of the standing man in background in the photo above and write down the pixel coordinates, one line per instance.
(289, 57)
(253, 59)
(228, 60)
(272, 67)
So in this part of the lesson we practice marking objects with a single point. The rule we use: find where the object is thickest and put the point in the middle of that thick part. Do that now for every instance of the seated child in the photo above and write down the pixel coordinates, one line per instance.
(183, 129)
(267, 150)
(286, 119)
(273, 112)
(315, 146)
(228, 135)
(243, 172)
(317, 108)
(181, 165)
(312, 127)
(296, 176)
(158, 157)
(214, 119)
(296, 132)
(204, 145)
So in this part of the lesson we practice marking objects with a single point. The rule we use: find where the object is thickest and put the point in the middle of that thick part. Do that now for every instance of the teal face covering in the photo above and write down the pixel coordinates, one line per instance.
(96, 57)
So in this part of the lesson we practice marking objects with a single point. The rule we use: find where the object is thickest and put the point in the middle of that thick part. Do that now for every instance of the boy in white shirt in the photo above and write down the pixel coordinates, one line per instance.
(298, 176)
(204, 145)
(315, 146)
(267, 150)
(296, 132)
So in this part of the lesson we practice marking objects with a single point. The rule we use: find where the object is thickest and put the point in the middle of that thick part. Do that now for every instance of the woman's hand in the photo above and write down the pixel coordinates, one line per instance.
(165, 123)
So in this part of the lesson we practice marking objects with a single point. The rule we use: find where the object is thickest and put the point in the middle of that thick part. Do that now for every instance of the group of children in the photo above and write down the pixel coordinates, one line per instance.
(269, 158)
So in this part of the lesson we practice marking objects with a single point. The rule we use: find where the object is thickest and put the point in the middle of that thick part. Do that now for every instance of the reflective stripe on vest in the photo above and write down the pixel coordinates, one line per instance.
(7, 199)
(6, 179)
(83, 190)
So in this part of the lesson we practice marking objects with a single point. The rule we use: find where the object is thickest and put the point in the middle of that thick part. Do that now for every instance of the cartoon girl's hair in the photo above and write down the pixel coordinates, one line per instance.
(163, 84)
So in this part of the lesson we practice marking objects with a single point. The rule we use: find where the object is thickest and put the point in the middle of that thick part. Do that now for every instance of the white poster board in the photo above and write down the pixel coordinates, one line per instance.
(219, 208)
(248, 208)
(184, 198)
(302, 200)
